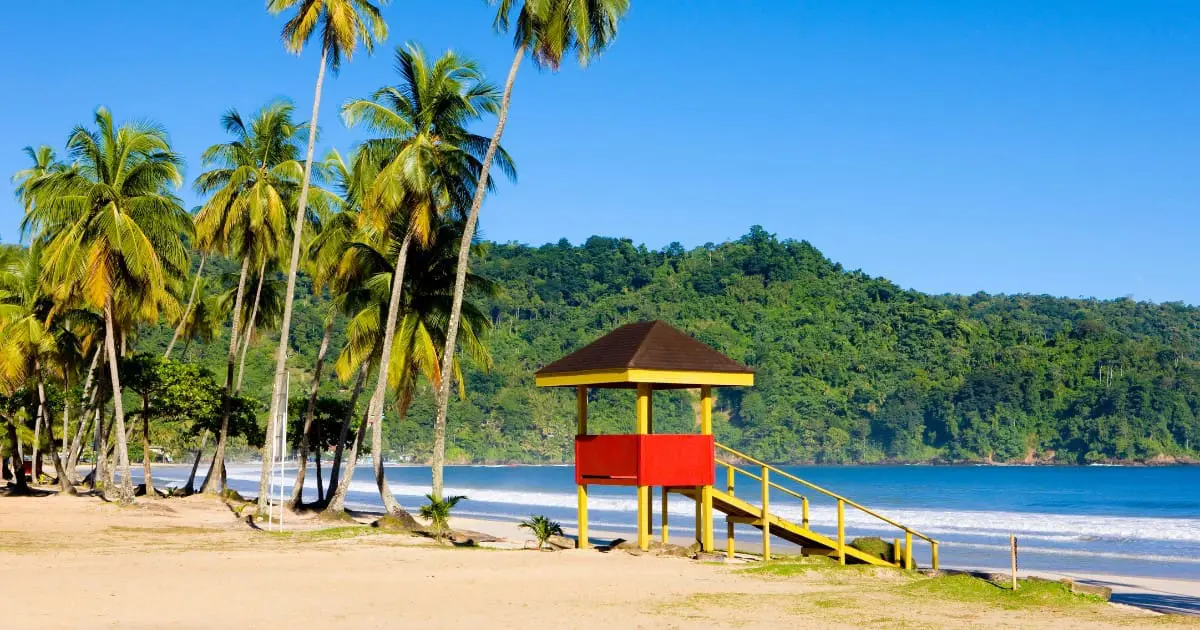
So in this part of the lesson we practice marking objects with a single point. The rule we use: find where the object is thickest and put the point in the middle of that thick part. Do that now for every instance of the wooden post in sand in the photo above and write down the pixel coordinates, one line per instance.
(1012, 543)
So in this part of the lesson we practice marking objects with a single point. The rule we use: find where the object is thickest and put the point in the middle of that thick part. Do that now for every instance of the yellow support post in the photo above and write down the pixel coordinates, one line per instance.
(706, 428)
(643, 535)
(896, 551)
(934, 559)
(908, 563)
(581, 418)
(804, 512)
(665, 538)
(643, 492)
(729, 543)
(841, 533)
(766, 516)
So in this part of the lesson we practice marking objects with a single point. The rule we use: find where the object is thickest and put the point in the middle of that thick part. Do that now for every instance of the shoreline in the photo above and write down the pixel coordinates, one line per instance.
(206, 567)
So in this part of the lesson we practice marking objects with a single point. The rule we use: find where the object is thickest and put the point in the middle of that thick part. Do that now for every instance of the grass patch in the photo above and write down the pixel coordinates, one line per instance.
(1029, 594)
(788, 566)
(328, 533)
(173, 529)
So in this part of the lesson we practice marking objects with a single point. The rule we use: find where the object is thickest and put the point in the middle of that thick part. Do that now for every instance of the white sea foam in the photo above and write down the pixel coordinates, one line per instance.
(1042, 527)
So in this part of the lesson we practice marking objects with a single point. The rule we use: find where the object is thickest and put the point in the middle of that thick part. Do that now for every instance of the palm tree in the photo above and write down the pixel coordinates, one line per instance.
(187, 310)
(114, 234)
(437, 512)
(549, 29)
(253, 181)
(421, 329)
(428, 163)
(345, 24)
(542, 528)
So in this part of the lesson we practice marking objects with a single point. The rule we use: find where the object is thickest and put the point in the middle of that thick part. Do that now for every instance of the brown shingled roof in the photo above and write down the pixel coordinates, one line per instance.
(645, 345)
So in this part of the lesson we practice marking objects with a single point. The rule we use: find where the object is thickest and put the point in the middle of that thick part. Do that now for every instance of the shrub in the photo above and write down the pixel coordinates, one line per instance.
(437, 512)
(542, 528)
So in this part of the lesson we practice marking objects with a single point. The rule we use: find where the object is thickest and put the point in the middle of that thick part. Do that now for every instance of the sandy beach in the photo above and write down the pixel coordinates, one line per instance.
(193, 563)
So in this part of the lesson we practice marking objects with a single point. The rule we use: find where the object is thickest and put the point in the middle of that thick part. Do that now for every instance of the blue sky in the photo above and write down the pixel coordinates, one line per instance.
(1017, 146)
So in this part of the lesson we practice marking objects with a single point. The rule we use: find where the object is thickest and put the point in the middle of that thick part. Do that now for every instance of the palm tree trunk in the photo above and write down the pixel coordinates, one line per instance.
(375, 406)
(286, 325)
(100, 453)
(214, 482)
(66, 433)
(65, 484)
(302, 464)
(126, 493)
(18, 463)
(90, 394)
(146, 448)
(460, 280)
(337, 503)
(187, 311)
(190, 486)
(250, 326)
(36, 466)
(340, 448)
(72, 465)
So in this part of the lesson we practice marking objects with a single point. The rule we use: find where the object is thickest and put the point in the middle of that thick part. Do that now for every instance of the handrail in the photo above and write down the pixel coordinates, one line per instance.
(828, 493)
(755, 477)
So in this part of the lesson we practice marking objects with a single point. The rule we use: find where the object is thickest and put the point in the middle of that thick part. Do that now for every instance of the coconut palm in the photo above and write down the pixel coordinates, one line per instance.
(344, 25)
(547, 30)
(428, 164)
(253, 181)
(336, 229)
(421, 327)
(437, 512)
(114, 234)
(542, 528)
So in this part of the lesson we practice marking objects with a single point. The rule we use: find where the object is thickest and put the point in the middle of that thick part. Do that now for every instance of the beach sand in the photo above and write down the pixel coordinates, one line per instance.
(192, 563)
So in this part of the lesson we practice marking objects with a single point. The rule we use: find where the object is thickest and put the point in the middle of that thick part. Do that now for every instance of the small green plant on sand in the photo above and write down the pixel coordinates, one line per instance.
(542, 528)
(437, 512)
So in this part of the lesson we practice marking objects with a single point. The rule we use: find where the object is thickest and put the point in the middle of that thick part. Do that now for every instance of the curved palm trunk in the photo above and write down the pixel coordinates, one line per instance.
(302, 464)
(36, 466)
(146, 448)
(86, 417)
(375, 407)
(250, 326)
(337, 502)
(126, 492)
(214, 482)
(460, 281)
(18, 464)
(187, 311)
(190, 486)
(286, 325)
(340, 449)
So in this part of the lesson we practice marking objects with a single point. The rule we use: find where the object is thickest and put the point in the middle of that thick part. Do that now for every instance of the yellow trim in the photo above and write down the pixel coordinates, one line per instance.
(665, 538)
(581, 499)
(630, 375)
(581, 409)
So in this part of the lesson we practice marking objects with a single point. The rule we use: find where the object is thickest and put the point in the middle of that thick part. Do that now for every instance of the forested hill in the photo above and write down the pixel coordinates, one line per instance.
(850, 368)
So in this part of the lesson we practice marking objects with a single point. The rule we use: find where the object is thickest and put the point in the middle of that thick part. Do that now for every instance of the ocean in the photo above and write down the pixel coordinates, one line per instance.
(1116, 520)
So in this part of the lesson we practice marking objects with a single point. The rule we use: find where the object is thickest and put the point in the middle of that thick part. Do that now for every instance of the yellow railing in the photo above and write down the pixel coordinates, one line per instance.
(764, 479)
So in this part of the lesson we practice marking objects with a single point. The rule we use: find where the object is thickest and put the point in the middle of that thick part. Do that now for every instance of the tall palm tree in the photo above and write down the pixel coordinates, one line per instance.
(345, 25)
(336, 229)
(420, 334)
(114, 234)
(549, 29)
(428, 165)
(253, 181)
(187, 310)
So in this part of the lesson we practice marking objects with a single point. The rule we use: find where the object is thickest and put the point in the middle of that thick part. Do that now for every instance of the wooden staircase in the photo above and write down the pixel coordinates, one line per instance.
(740, 510)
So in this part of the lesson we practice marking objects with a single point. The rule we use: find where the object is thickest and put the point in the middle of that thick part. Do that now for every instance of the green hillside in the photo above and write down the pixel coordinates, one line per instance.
(850, 368)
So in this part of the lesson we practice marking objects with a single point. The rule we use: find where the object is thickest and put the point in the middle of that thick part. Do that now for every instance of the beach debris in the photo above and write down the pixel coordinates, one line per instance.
(1095, 590)
(560, 542)
(397, 521)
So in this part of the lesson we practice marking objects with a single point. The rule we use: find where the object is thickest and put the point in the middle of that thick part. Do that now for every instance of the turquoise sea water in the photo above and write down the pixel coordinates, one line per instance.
(1118, 520)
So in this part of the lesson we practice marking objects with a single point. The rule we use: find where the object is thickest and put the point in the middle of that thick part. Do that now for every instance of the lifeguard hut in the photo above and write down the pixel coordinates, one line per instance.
(647, 356)
(650, 356)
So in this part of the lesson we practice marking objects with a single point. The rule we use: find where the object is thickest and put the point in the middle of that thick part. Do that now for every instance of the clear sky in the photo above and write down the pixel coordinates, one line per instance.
(956, 146)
